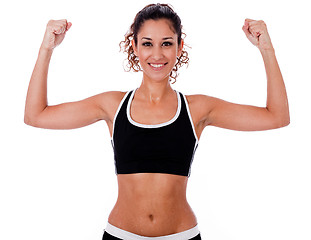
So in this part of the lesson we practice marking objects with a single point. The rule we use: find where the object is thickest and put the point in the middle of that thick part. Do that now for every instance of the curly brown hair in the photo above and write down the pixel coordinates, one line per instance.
(155, 12)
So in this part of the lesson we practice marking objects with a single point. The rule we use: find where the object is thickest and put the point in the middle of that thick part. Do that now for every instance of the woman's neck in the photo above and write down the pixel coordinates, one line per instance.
(154, 92)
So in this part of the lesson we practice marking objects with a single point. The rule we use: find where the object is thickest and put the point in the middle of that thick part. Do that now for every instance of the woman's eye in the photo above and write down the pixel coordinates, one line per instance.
(166, 44)
(147, 44)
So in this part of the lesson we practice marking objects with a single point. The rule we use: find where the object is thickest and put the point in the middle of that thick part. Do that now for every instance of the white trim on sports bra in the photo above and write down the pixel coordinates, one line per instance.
(151, 125)
(189, 114)
(116, 114)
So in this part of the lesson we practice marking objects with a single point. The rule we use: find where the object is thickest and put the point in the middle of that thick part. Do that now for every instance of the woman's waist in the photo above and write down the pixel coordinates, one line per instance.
(151, 218)
(151, 192)
(157, 203)
(152, 204)
(157, 186)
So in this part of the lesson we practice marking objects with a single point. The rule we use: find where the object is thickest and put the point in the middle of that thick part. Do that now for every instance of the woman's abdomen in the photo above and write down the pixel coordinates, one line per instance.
(152, 204)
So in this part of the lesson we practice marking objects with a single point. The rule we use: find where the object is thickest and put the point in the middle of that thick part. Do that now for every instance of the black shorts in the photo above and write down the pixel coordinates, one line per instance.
(113, 233)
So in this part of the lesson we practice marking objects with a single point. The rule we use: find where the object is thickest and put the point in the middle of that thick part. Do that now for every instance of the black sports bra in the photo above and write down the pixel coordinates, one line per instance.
(162, 148)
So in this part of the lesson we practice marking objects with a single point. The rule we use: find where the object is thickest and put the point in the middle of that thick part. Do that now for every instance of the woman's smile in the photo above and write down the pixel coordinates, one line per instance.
(157, 66)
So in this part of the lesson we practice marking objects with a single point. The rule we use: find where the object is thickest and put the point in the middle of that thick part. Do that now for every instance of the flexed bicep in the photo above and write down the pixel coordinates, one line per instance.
(69, 115)
(241, 117)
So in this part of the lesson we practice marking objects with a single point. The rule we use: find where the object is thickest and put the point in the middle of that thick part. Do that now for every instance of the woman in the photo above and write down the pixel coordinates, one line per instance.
(154, 129)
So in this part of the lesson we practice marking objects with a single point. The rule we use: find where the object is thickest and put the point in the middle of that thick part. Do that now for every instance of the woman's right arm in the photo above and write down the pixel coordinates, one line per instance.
(65, 115)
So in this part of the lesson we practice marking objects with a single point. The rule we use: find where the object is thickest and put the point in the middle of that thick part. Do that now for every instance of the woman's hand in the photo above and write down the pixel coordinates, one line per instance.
(257, 34)
(55, 33)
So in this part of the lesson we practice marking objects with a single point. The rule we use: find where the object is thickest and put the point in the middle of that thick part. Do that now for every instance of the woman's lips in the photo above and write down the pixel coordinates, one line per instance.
(157, 66)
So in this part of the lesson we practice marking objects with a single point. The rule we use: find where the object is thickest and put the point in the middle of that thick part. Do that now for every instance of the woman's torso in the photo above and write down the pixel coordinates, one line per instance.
(152, 211)
(152, 204)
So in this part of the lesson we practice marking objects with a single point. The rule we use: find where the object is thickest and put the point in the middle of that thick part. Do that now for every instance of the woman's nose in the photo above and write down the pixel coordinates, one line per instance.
(157, 53)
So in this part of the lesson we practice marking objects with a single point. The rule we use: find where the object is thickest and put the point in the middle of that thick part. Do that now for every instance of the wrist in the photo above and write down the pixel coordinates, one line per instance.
(267, 51)
(45, 54)
(45, 50)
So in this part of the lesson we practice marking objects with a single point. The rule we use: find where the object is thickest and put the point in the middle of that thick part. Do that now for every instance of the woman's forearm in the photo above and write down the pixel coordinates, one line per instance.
(277, 103)
(36, 100)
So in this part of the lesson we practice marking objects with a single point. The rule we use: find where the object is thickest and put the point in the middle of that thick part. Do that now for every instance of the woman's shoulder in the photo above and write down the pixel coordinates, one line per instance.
(200, 106)
(112, 96)
(198, 99)
(109, 101)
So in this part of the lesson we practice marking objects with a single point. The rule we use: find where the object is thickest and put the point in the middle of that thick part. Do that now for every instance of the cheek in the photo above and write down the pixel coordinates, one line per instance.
(173, 55)
(143, 54)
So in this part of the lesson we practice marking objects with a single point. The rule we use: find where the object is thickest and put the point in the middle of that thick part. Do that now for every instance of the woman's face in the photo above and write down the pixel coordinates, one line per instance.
(157, 49)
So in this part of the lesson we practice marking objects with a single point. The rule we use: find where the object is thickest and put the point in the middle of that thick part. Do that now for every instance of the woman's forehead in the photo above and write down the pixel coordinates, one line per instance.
(161, 28)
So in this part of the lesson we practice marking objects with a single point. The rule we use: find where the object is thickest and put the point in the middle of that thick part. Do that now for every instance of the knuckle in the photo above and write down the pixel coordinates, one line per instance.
(50, 22)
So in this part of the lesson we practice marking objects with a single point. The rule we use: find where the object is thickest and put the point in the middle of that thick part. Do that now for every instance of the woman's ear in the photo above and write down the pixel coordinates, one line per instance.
(134, 47)
(180, 48)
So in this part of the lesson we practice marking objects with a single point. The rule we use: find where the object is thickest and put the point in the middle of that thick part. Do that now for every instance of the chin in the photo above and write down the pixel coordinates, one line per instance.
(157, 77)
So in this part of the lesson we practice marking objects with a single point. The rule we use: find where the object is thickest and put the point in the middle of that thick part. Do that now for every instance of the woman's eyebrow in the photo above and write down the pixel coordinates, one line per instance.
(150, 39)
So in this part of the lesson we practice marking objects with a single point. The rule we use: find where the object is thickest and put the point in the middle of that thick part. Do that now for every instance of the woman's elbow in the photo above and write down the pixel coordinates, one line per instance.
(282, 122)
(31, 121)
(286, 122)
(28, 121)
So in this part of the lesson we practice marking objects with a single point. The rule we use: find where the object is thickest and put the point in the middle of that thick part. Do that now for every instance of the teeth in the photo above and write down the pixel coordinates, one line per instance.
(156, 65)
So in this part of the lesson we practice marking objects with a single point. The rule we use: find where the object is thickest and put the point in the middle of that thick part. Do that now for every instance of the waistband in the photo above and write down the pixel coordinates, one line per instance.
(119, 233)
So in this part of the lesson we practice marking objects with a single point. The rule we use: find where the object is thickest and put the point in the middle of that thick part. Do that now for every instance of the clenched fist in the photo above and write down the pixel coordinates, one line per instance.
(55, 33)
(257, 34)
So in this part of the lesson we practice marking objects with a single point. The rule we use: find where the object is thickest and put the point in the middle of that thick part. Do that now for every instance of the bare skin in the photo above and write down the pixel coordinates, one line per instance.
(152, 204)
(152, 211)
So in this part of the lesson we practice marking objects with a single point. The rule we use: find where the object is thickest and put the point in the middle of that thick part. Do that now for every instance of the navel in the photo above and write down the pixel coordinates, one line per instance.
(151, 217)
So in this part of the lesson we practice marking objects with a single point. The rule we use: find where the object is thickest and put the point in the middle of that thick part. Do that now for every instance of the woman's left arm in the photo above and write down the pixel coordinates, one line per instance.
(250, 118)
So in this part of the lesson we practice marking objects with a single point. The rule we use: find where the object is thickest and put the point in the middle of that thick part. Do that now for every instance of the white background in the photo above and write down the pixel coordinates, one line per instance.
(60, 184)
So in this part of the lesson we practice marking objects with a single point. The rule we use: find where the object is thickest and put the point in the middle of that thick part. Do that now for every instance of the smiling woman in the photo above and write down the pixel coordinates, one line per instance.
(155, 12)
(157, 54)
(154, 129)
